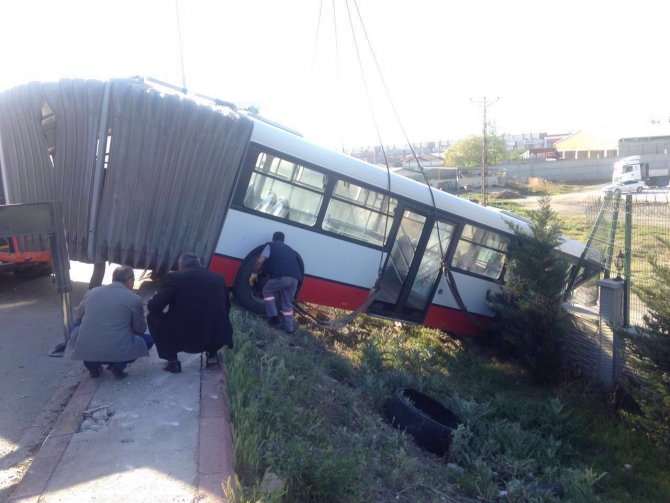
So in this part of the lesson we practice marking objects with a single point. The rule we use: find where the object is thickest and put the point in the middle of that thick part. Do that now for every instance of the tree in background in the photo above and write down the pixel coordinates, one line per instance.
(650, 349)
(529, 319)
(467, 153)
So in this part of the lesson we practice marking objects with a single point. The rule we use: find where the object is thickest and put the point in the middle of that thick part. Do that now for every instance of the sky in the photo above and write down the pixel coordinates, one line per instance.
(354, 73)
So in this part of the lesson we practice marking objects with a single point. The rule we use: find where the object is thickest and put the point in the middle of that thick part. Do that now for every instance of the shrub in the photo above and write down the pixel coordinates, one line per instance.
(650, 350)
(529, 318)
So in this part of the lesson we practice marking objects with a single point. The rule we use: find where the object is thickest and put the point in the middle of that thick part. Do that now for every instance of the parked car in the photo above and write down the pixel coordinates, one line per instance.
(627, 187)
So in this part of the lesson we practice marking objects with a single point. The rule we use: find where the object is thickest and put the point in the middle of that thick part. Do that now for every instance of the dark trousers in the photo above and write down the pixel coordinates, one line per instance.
(168, 344)
(165, 345)
(284, 288)
(120, 366)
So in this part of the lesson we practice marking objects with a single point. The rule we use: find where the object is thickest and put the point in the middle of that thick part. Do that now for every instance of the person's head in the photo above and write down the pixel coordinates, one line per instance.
(124, 274)
(188, 259)
(278, 236)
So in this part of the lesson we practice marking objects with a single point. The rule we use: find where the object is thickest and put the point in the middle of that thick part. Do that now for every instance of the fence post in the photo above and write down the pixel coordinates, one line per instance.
(611, 318)
(612, 234)
(628, 230)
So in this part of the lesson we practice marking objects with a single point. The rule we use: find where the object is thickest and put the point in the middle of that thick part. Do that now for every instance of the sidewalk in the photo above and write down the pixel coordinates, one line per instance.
(154, 436)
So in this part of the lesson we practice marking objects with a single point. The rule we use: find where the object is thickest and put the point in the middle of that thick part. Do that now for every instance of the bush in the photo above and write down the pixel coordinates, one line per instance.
(650, 350)
(529, 318)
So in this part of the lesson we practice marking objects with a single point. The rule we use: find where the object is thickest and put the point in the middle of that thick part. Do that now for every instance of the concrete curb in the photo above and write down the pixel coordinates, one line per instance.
(50, 452)
(215, 452)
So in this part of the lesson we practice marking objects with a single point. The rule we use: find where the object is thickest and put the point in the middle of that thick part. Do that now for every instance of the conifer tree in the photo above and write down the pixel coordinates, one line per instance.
(529, 318)
(650, 350)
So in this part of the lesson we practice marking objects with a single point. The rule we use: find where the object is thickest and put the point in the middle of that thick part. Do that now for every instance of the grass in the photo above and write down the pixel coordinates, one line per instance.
(307, 409)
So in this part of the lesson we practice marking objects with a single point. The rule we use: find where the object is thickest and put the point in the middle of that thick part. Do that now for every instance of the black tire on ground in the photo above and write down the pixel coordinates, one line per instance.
(428, 421)
(639, 189)
(249, 298)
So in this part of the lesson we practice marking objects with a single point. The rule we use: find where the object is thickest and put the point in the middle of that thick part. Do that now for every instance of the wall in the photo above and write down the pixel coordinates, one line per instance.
(575, 171)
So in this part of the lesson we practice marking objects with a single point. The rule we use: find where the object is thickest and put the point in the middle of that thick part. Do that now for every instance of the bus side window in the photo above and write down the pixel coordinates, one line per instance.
(359, 213)
(285, 190)
(481, 252)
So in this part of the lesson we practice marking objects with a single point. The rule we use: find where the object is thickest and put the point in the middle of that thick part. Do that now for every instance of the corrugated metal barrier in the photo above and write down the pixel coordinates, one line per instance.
(142, 174)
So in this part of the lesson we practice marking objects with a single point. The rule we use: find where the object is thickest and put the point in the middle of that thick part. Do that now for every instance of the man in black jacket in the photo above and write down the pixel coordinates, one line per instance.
(283, 264)
(197, 317)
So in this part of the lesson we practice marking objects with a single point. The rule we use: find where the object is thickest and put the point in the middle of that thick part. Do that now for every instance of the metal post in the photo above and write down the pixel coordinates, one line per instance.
(628, 230)
(485, 175)
(612, 235)
(98, 172)
(61, 267)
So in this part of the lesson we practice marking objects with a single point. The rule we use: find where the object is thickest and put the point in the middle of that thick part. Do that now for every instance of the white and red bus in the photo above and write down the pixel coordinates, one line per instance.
(347, 218)
(145, 172)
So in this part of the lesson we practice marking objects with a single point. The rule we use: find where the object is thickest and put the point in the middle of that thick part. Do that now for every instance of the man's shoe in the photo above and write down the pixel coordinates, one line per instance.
(119, 374)
(174, 367)
(274, 322)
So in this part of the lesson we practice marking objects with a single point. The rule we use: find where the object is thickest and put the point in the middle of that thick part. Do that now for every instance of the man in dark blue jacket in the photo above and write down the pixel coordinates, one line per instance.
(283, 265)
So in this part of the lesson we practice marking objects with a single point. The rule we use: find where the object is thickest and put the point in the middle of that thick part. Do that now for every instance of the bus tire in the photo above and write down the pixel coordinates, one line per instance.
(250, 298)
(428, 421)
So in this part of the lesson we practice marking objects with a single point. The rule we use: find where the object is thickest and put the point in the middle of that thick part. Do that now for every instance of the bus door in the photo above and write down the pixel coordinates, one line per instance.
(412, 267)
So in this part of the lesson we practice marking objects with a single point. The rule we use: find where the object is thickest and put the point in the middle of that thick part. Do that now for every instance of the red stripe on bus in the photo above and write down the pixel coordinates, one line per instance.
(315, 290)
(333, 294)
(457, 322)
(225, 266)
(330, 293)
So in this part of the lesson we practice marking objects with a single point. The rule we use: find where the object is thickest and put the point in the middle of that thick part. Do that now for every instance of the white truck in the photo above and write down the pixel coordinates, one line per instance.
(629, 169)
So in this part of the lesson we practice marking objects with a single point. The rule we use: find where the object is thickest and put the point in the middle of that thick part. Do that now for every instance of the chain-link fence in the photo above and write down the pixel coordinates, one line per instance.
(625, 235)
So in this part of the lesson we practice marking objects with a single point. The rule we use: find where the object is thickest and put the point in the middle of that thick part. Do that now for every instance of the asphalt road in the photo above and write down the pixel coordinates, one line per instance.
(34, 387)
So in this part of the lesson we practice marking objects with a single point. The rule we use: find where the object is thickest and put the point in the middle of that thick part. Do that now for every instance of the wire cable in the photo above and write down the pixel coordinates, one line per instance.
(316, 38)
(180, 45)
(451, 283)
(339, 75)
(381, 143)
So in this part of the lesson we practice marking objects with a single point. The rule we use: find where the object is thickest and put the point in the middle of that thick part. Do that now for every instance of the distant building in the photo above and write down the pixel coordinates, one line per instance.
(440, 177)
(398, 155)
(426, 160)
(641, 145)
(541, 154)
(523, 140)
(587, 145)
(532, 140)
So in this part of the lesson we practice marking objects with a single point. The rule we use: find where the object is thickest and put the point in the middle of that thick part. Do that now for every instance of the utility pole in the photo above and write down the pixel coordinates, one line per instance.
(485, 175)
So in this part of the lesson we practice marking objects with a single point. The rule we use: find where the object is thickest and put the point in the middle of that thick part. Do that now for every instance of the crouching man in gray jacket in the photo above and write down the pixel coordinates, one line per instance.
(109, 327)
